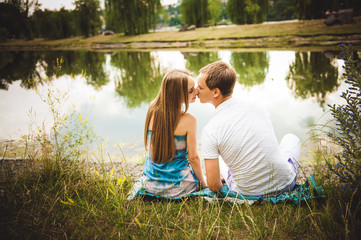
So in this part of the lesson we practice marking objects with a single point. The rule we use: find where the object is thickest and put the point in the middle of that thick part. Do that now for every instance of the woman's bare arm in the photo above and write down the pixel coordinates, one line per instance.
(193, 156)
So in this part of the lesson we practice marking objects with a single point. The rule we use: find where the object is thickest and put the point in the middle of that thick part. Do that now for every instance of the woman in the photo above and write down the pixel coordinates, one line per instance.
(172, 167)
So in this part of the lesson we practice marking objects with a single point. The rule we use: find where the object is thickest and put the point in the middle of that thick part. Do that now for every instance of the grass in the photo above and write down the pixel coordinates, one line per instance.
(69, 200)
(301, 28)
(201, 37)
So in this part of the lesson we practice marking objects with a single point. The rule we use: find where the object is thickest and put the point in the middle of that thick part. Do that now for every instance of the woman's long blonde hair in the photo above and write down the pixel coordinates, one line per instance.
(166, 110)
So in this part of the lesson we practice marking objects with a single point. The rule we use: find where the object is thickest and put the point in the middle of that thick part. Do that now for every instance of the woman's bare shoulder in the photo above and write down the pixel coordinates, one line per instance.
(186, 122)
(188, 118)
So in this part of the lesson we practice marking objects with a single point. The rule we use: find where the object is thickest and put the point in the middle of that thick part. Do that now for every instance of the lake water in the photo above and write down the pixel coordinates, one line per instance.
(114, 89)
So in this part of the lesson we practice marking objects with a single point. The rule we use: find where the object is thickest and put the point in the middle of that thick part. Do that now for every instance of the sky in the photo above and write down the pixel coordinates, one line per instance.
(68, 4)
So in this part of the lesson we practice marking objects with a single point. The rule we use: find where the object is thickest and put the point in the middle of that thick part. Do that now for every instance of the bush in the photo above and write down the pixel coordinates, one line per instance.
(348, 125)
(4, 35)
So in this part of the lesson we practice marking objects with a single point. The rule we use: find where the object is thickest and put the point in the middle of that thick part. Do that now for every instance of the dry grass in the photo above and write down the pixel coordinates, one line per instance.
(313, 27)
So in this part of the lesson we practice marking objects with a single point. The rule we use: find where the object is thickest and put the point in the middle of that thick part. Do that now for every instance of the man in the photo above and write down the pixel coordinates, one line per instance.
(239, 144)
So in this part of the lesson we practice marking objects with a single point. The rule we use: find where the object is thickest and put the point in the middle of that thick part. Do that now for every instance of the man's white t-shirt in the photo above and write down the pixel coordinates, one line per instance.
(243, 135)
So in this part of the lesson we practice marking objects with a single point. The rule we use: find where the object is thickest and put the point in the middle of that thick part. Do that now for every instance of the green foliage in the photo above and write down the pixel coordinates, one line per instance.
(215, 10)
(312, 75)
(64, 21)
(13, 21)
(194, 12)
(281, 10)
(316, 9)
(132, 17)
(251, 67)
(224, 11)
(84, 20)
(174, 21)
(88, 16)
(348, 126)
(247, 11)
(4, 35)
(173, 15)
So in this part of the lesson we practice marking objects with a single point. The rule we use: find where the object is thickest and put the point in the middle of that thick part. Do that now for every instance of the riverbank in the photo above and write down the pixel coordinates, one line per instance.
(289, 35)
(15, 166)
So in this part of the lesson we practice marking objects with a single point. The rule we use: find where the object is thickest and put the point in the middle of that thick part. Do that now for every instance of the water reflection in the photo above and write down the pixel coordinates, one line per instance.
(251, 67)
(196, 61)
(19, 66)
(27, 67)
(312, 74)
(140, 78)
(89, 64)
(116, 88)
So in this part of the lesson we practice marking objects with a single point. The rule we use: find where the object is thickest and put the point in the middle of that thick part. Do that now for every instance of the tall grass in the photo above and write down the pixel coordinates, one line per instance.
(68, 200)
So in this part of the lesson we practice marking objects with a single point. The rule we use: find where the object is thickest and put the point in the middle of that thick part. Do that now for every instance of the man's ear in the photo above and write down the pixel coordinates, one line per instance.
(217, 93)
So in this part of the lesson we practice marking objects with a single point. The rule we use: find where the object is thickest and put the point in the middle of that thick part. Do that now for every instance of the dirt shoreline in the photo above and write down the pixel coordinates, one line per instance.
(283, 42)
(290, 42)
(322, 42)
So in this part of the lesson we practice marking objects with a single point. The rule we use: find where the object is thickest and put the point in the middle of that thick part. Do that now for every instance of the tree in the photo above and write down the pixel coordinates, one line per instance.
(173, 15)
(88, 16)
(64, 21)
(215, 10)
(14, 16)
(281, 10)
(131, 16)
(24, 6)
(247, 11)
(224, 11)
(194, 12)
(315, 9)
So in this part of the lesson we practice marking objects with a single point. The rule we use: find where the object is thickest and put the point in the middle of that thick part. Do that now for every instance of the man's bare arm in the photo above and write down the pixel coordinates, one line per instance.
(213, 175)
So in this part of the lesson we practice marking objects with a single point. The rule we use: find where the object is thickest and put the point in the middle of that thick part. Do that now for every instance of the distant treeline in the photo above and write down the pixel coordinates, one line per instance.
(25, 19)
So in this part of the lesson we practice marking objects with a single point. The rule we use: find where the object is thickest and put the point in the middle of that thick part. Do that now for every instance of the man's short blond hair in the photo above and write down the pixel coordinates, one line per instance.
(220, 75)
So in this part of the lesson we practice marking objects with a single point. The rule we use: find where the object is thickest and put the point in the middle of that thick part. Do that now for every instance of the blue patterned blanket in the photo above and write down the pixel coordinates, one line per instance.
(308, 190)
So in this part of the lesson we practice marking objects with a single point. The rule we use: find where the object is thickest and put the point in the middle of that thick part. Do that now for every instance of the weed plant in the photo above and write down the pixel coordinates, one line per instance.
(61, 196)
(348, 126)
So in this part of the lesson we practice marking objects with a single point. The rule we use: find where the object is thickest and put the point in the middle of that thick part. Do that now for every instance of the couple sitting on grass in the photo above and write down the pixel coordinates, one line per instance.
(239, 146)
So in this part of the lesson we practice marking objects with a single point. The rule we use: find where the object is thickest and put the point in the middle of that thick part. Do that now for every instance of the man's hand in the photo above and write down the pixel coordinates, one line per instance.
(213, 175)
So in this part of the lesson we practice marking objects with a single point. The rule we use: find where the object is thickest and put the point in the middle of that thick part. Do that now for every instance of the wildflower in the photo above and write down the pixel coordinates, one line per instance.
(137, 221)
(69, 202)
(111, 173)
(121, 181)
(97, 173)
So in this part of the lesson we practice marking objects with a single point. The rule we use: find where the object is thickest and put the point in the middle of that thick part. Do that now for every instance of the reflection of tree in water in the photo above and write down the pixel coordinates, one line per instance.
(78, 62)
(19, 66)
(140, 79)
(251, 67)
(312, 75)
(27, 66)
(196, 61)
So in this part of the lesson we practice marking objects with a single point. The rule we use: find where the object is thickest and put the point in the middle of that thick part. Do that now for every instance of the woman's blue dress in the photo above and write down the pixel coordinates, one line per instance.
(174, 178)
